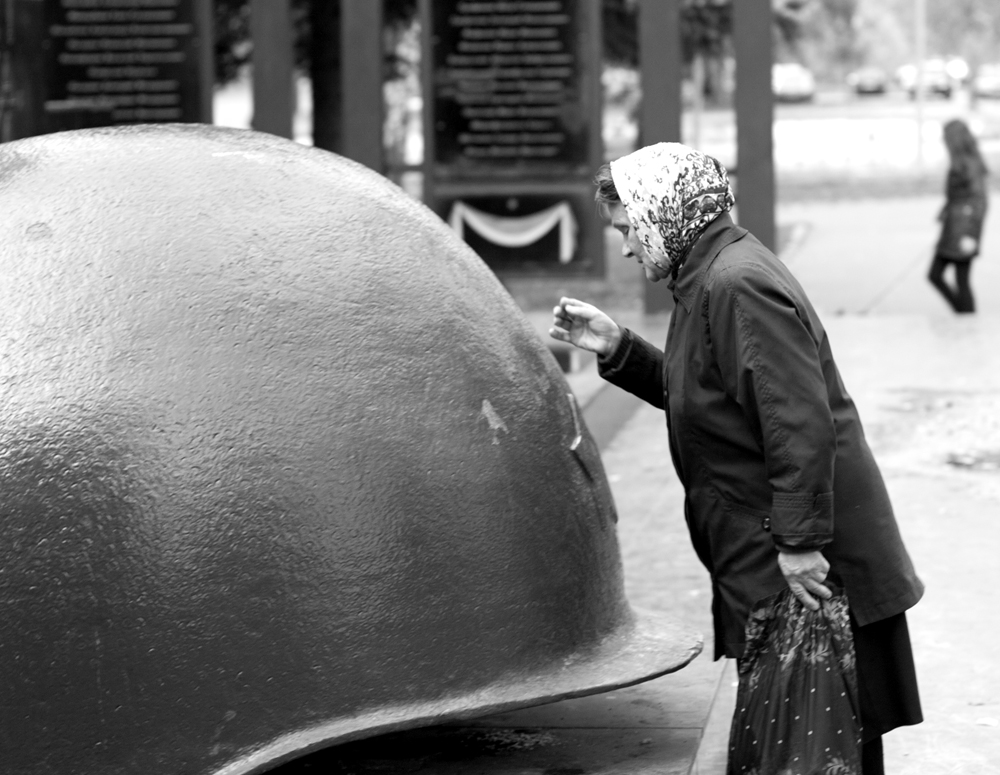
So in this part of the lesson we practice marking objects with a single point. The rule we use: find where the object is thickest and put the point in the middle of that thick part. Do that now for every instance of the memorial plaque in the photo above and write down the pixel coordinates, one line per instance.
(513, 130)
(108, 62)
(537, 232)
(508, 85)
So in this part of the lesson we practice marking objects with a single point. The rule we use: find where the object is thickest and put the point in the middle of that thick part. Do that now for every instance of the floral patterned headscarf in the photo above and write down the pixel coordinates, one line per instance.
(671, 193)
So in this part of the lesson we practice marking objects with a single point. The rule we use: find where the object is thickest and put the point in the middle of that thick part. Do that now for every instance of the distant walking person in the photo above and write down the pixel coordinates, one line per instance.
(961, 217)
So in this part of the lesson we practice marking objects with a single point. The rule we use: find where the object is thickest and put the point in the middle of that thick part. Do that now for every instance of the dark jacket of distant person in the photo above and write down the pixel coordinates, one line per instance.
(965, 201)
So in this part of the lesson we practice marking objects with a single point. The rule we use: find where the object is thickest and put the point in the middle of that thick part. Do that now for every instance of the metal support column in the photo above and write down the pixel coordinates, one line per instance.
(662, 72)
(273, 85)
(752, 30)
(363, 110)
(206, 38)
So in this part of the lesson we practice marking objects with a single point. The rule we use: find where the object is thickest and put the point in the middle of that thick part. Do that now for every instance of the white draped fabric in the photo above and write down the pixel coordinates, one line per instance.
(516, 232)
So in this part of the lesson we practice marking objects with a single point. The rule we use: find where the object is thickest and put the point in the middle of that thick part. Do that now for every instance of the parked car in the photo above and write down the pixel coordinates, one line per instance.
(868, 80)
(958, 69)
(792, 82)
(987, 81)
(935, 79)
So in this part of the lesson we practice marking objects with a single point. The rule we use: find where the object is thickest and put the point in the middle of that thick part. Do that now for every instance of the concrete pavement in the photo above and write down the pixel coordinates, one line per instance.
(927, 384)
(929, 392)
(870, 257)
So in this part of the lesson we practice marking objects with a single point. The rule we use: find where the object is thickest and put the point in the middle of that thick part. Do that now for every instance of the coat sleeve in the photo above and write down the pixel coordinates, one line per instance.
(635, 366)
(770, 366)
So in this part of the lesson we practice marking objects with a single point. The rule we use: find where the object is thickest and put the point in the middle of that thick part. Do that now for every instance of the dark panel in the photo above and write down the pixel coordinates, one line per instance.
(131, 63)
(361, 46)
(661, 63)
(754, 118)
(509, 86)
(273, 88)
(22, 70)
(73, 65)
(204, 12)
(660, 60)
(514, 114)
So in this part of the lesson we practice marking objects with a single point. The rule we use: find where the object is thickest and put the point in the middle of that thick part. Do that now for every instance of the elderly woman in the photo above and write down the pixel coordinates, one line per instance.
(781, 487)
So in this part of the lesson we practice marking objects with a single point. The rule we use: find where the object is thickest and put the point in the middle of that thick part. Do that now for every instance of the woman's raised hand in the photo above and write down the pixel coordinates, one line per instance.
(584, 326)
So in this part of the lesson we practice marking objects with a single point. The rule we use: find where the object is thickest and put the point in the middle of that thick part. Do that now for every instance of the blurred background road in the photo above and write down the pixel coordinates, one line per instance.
(837, 134)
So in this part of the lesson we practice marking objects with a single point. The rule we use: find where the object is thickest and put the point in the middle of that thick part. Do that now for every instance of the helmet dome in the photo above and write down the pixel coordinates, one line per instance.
(283, 465)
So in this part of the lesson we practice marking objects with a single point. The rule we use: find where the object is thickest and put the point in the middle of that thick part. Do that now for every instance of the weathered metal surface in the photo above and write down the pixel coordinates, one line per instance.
(282, 466)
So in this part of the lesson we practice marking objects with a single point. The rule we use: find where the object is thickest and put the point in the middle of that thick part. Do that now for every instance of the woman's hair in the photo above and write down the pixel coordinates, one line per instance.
(606, 195)
(963, 147)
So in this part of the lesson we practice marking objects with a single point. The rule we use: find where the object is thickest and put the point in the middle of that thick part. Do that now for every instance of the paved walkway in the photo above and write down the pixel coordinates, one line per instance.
(870, 257)
(929, 392)
(927, 384)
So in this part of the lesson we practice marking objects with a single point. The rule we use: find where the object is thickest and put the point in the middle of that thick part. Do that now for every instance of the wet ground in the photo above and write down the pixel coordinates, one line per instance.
(931, 404)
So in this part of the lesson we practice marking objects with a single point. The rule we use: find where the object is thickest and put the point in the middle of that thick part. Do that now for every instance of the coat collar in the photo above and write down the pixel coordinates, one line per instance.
(719, 233)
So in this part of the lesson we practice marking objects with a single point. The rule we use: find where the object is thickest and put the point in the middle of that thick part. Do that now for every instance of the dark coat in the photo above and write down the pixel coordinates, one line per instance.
(764, 436)
(964, 211)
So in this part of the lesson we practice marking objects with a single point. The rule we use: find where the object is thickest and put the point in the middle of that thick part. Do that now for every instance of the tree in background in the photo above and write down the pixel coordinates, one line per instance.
(320, 55)
(707, 29)
(882, 32)
(621, 39)
(820, 34)
(968, 28)
(706, 32)
(706, 44)
(316, 31)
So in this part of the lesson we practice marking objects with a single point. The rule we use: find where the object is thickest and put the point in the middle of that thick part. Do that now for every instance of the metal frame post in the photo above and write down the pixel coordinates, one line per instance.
(362, 62)
(662, 73)
(206, 66)
(273, 66)
(752, 31)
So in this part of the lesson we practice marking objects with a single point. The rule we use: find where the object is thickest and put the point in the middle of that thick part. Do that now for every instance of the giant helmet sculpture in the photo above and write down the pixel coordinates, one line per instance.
(282, 466)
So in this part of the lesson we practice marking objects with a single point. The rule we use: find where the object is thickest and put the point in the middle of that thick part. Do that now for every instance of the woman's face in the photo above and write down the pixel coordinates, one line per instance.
(632, 247)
